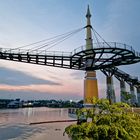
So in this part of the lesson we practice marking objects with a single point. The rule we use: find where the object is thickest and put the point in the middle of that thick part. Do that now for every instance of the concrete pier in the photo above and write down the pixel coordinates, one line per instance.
(138, 95)
(110, 89)
(133, 99)
(122, 90)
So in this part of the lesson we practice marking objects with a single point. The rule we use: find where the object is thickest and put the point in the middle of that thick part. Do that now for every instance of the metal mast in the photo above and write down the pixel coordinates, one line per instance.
(90, 82)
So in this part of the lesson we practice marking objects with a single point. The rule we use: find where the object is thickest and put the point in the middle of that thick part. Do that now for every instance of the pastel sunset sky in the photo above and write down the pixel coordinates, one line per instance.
(27, 21)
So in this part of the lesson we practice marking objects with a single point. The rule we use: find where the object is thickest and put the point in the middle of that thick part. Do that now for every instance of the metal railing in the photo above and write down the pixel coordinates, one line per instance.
(35, 52)
(108, 45)
(79, 49)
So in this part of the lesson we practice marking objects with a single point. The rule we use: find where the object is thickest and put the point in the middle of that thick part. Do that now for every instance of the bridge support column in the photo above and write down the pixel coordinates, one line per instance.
(133, 98)
(122, 90)
(110, 89)
(90, 87)
(90, 82)
(138, 95)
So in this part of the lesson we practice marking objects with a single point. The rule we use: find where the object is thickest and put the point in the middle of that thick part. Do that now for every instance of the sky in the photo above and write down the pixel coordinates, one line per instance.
(28, 21)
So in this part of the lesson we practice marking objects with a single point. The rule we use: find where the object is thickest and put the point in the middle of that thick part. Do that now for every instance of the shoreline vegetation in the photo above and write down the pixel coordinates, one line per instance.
(105, 121)
(17, 103)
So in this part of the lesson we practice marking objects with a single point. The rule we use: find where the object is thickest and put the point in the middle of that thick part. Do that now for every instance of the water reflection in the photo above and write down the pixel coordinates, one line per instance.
(27, 115)
(14, 123)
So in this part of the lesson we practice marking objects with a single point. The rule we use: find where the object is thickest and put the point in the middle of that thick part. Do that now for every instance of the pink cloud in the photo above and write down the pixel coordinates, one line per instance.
(67, 89)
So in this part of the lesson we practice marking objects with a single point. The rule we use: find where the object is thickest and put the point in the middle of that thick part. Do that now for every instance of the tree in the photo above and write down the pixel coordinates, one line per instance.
(109, 122)
(127, 96)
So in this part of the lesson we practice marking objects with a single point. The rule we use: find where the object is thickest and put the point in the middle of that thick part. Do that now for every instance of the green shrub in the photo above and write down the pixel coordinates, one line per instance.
(109, 122)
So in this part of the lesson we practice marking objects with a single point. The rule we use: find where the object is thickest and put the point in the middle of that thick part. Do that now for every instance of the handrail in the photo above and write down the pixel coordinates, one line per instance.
(43, 52)
(77, 50)
(107, 45)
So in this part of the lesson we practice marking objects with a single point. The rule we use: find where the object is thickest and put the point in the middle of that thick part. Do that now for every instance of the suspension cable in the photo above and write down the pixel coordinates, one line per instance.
(96, 38)
(51, 40)
(100, 37)
(56, 42)
(94, 32)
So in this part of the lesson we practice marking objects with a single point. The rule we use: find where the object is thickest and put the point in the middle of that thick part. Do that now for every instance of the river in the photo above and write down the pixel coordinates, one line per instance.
(14, 124)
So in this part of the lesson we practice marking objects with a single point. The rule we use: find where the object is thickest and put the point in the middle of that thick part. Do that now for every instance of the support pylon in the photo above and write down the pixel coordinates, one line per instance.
(90, 81)
(90, 87)
(133, 98)
(110, 89)
(138, 95)
(122, 90)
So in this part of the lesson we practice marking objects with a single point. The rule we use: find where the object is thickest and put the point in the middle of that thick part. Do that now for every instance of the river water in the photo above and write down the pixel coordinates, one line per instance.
(14, 124)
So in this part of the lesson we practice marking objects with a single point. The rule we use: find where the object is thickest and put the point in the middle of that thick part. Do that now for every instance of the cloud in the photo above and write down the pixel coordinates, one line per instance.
(57, 89)
(14, 77)
(119, 22)
(77, 75)
(42, 79)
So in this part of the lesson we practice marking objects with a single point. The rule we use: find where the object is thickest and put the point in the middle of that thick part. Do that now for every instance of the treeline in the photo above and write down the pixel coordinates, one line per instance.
(17, 103)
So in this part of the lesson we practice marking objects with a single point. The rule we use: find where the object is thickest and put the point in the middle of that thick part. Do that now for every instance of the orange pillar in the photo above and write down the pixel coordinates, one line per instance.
(90, 87)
